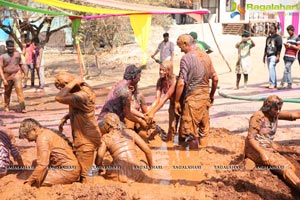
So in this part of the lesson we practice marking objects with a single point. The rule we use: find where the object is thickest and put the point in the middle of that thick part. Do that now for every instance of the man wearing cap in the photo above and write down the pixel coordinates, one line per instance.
(166, 49)
(119, 98)
(11, 65)
(193, 88)
(202, 45)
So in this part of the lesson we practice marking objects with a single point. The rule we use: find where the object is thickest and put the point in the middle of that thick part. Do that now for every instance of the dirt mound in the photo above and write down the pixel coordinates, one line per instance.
(220, 175)
(66, 192)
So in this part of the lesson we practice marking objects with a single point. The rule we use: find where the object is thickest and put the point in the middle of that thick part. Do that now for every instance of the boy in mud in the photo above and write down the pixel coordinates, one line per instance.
(11, 66)
(56, 162)
(120, 98)
(121, 146)
(7, 147)
(86, 134)
(260, 146)
(165, 90)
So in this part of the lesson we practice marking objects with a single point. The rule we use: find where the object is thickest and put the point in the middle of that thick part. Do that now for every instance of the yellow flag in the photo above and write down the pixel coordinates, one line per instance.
(141, 25)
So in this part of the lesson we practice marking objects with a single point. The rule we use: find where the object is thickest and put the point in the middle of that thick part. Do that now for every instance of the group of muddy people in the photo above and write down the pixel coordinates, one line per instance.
(126, 122)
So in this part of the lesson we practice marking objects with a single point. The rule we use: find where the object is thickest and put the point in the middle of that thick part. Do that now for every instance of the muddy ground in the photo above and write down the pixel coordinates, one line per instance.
(215, 172)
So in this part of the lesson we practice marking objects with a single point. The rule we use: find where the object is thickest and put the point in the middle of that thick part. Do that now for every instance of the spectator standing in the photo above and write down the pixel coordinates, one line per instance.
(166, 49)
(38, 63)
(28, 54)
(291, 47)
(272, 54)
(243, 65)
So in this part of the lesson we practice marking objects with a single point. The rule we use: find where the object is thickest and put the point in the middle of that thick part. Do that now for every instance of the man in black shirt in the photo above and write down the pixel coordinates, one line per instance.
(272, 52)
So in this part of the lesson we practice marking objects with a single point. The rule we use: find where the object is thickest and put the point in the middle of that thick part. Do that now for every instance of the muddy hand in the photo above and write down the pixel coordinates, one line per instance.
(143, 123)
(148, 119)
(177, 108)
(61, 125)
(265, 159)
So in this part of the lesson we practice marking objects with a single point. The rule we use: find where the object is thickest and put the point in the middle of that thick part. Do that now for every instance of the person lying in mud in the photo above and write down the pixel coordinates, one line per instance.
(7, 147)
(121, 146)
(165, 90)
(120, 97)
(86, 134)
(56, 162)
(260, 146)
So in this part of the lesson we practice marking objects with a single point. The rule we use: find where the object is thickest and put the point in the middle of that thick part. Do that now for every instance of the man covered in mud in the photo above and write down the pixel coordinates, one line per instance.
(85, 131)
(11, 68)
(119, 100)
(165, 90)
(7, 147)
(260, 146)
(56, 162)
(192, 89)
(121, 146)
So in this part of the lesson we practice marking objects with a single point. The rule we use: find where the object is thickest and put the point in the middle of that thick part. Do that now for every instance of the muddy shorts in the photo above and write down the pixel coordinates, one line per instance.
(195, 118)
(4, 156)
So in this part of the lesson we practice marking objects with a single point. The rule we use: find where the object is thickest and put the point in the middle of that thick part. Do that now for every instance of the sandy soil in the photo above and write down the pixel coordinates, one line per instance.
(216, 172)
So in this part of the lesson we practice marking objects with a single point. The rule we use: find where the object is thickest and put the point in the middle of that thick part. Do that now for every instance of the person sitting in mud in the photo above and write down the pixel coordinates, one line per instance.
(260, 146)
(56, 162)
(86, 134)
(165, 90)
(120, 97)
(7, 146)
(121, 146)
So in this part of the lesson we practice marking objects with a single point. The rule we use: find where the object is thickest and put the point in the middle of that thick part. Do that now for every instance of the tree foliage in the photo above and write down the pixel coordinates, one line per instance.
(25, 23)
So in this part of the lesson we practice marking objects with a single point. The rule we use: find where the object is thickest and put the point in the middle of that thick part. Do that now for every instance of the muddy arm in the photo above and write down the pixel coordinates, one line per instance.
(62, 122)
(290, 116)
(145, 148)
(63, 94)
(178, 93)
(43, 156)
(1, 71)
(100, 154)
(214, 85)
(131, 116)
(162, 101)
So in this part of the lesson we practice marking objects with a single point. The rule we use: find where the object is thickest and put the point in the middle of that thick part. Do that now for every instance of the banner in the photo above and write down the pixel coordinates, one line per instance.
(141, 25)
(30, 9)
(80, 8)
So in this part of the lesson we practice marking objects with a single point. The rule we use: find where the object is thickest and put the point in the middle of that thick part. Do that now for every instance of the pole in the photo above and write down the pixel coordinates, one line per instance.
(218, 46)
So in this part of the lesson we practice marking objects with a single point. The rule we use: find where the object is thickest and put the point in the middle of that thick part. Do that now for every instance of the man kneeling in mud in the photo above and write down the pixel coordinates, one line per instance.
(119, 101)
(121, 146)
(56, 162)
